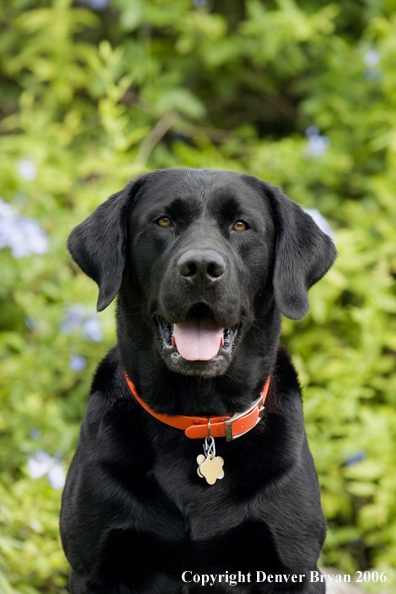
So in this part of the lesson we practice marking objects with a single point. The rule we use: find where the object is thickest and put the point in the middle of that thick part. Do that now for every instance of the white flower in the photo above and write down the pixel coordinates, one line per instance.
(27, 170)
(44, 464)
(320, 221)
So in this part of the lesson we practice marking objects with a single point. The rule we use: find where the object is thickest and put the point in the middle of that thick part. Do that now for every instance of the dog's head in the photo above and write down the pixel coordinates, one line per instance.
(202, 255)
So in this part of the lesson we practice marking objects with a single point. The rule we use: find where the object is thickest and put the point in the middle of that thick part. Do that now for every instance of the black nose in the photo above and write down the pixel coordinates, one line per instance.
(201, 266)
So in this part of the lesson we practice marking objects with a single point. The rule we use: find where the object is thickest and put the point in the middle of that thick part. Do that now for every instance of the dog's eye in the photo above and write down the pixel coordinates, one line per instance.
(164, 222)
(240, 226)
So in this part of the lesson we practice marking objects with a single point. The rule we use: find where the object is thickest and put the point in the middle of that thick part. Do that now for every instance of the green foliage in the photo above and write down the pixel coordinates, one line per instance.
(89, 99)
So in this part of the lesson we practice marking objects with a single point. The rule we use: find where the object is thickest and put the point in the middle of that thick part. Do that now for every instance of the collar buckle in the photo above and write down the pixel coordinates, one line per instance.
(229, 422)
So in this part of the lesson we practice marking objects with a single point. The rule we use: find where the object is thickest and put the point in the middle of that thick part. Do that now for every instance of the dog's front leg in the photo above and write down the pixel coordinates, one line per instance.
(88, 585)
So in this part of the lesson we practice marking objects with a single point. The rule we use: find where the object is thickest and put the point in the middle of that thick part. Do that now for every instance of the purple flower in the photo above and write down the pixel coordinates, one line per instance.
(6, 211)
(44, 464)
(79, 320)
(24, 236)
(77, 362)
(372, 75)
(355, 458)
(96, 5)
(320, 221)
(317, 144)
(371, 58)
(92, 329)
(31, 323)
(73, 320)
(35, 433)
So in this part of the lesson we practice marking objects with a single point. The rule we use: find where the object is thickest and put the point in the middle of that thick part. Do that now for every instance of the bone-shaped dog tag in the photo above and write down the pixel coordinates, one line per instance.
(210, 468)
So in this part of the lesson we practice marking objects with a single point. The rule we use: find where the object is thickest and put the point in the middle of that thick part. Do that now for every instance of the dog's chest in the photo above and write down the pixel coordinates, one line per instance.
(207, 510)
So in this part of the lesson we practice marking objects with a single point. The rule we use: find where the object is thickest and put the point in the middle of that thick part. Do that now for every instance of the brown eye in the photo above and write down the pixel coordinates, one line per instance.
(164, 222)
(240, 226)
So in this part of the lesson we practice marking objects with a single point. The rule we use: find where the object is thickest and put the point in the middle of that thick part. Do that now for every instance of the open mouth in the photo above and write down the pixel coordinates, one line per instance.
(198, 337)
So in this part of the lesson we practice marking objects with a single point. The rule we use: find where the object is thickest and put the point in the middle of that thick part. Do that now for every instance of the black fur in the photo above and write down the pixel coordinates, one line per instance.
(135, 514)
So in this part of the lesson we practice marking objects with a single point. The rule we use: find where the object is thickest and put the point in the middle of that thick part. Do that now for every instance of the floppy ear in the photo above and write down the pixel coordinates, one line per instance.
(98, 243)
(303, 254)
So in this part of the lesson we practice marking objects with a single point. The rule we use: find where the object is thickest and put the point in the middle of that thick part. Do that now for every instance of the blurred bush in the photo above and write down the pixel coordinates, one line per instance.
(301, 94)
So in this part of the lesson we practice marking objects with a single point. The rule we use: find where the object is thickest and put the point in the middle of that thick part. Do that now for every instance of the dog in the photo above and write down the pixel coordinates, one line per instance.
(192, 468)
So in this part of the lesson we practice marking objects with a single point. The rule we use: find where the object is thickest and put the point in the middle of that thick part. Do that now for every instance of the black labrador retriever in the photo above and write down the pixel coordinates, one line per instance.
(182, 478)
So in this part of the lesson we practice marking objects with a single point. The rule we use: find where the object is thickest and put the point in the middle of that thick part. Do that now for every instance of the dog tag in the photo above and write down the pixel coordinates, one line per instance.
(210, 466)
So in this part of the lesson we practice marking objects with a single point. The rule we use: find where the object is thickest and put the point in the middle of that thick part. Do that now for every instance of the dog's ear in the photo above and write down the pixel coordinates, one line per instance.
(303, 254)
(98, 243)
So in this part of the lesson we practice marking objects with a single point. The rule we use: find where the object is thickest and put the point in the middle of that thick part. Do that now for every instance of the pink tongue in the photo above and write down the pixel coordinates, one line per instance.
(198, 339)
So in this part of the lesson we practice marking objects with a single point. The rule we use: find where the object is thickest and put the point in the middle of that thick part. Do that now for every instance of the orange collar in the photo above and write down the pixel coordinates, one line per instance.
(228, 426)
